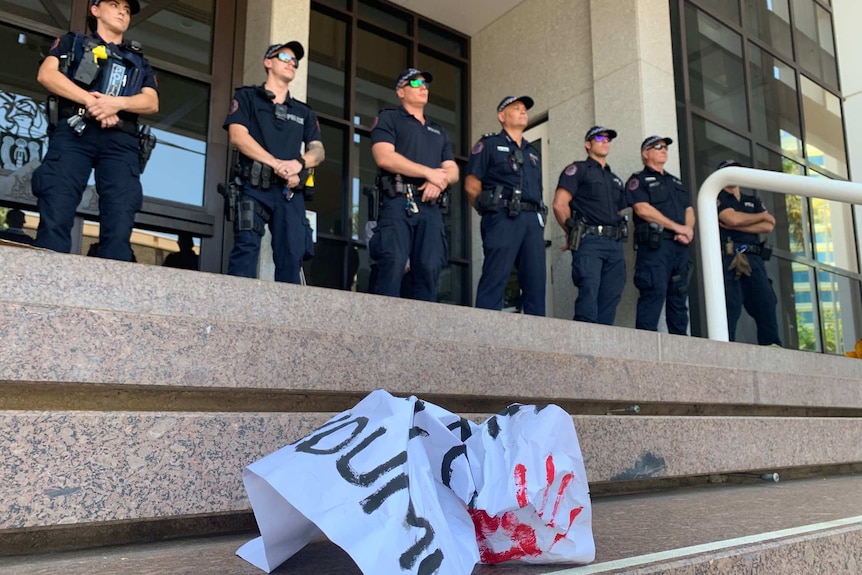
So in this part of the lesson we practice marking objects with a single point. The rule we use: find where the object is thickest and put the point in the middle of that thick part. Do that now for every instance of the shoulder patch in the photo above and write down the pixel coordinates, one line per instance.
(477, 149)
(571, 170)
(374, 123)
(54, 45)
(634, 183)
(234, 106)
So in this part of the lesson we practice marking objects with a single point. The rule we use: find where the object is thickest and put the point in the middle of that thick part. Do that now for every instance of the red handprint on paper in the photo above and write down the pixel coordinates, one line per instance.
(513, 538)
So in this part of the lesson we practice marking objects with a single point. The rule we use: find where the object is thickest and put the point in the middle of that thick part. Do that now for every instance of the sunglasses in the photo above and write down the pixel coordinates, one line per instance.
(416, 83)
(602, 138)
(659, 147)
(287, 58)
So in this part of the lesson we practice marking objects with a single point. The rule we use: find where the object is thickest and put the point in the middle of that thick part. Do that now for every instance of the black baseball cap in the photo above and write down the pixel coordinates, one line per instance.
(653, 140)
(294, 46)
(526, 100)
(411, 73)
(134, 5)
(596, 130)
(728, 163)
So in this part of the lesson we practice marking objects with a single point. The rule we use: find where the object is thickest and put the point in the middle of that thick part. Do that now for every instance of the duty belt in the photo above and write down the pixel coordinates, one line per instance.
(754, 249)
(604, 231)
(525, 206)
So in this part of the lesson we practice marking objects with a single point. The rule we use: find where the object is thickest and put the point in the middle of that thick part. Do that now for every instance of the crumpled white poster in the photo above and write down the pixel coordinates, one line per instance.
(405, 486)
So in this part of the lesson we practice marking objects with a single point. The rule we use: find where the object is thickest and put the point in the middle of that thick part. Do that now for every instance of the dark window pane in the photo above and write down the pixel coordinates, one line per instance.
(725, 8)
(774, 102)
(769, 20)
(791, 212)
(326, 268)
(378, 62)
(712, 145)
(446, 98)
(386, 17)
(51, 12)
(824, 128)
(176, 168)
(327, 65)
(815, 47)
(715, 67)
(441, 40)
(340, 4)
(180, 33)
(797, 315)
(453, 285)
(329, 192)
(456, 222)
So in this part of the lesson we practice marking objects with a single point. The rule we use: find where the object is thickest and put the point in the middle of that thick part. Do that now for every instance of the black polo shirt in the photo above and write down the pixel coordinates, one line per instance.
(664, 192)
(746, 205)
(252, 108)
(494, 162)
(426, 144)
(597, 193)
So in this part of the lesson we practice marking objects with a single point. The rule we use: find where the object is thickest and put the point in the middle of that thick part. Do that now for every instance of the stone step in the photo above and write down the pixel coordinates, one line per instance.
(800, 527)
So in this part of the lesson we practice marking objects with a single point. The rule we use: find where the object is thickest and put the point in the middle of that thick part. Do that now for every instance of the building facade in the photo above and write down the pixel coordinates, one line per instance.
(766, 82)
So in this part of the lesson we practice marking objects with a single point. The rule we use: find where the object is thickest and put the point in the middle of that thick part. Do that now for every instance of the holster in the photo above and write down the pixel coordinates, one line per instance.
(576, 233)
(147, 141)
(52, 108)
(373, 195)
(489, 200)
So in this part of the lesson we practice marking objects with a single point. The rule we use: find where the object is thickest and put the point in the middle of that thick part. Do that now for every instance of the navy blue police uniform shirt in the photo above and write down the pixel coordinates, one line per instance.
(253, 108)
(426, 144)
(745, 204)
(65, 44)
(597, 194)
(492, 162)
(664, 192)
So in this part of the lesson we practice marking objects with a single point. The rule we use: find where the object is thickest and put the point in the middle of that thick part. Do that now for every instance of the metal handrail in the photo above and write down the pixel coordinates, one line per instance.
(707, 212)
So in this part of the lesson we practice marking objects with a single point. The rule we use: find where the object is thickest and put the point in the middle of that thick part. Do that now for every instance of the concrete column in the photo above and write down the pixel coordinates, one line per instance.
(633, 85)
(270, 22)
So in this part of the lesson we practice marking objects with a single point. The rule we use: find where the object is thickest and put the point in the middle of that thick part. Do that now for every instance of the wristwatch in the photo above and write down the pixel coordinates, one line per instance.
(301, 161)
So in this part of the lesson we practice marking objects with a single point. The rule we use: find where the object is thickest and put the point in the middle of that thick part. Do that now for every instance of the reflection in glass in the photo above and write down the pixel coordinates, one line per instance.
(148, 247)
(327, 57)
(176, 168)
(446, 98)
(837, 317)
(342, 4)
(378, 63)
(726, 8)
(715, 144)
(329, 194)
(833, 232)
(824, 128)
(799, 308)
(54, 13)
(791, 212)
(815, 46)
(774, 101)
(769, 20)
(715, 67)
(177, 32)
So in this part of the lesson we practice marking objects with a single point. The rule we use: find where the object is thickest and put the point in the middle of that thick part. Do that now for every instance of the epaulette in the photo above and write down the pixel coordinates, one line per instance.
(488, 135)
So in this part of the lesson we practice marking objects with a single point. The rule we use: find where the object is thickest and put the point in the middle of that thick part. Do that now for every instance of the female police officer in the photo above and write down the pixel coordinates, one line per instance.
(102, 84)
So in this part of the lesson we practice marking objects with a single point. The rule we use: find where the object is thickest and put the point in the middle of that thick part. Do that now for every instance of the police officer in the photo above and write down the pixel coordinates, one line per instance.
(588, 205)
(741, 218)
(417, 164)
(101, 85)
(268, 127)
(504, 183)
(664, 227)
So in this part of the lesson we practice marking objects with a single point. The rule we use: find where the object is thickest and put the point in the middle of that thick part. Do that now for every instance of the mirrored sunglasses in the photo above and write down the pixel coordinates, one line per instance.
(416, 83)
(659, 146)
(602, 138)
(287, 58)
